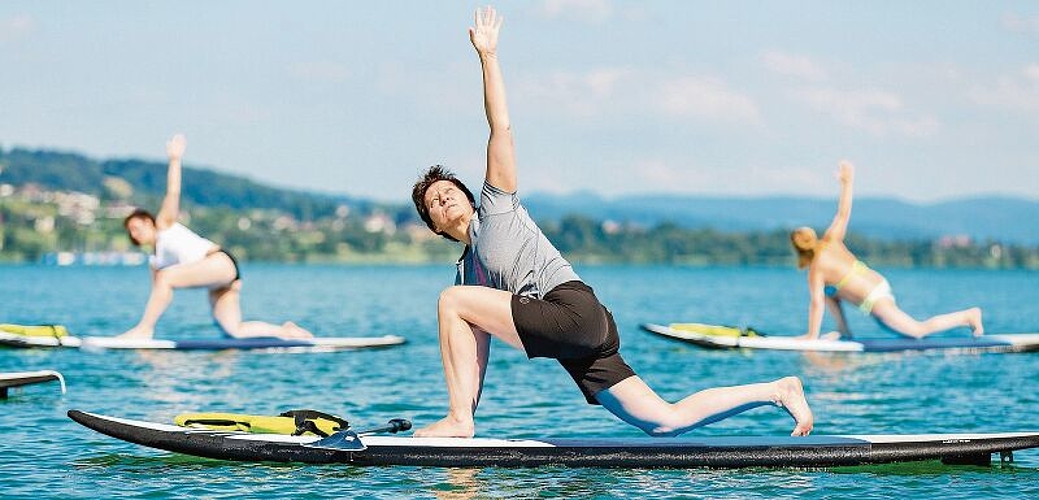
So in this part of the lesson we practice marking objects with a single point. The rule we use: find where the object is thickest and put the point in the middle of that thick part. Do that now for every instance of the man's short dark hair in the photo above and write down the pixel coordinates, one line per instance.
(435, 174)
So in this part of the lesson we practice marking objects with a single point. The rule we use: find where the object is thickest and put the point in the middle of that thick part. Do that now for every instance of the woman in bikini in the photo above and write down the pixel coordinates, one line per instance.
(183, 259)
(836, 275)
(513, 284)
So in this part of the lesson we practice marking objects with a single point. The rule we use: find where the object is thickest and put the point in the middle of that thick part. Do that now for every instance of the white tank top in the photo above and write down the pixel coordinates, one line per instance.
(179, 245)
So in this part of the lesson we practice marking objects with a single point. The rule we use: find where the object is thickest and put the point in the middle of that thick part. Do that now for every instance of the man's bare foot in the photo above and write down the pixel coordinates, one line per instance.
(137, 333)
(290, 330)
(791, 396)
(448, 427)
(974, 320)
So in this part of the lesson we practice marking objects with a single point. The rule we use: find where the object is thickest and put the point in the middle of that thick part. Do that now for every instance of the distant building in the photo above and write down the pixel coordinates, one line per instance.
(93, 259)
(954, 241)
(379, 222)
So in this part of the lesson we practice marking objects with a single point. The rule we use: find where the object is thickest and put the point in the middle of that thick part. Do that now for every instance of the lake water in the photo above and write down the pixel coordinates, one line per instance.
(45, 455)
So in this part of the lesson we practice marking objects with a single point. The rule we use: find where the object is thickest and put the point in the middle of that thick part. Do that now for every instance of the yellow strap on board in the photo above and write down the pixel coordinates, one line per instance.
(259, 424)
(713, 330)
(56, 331)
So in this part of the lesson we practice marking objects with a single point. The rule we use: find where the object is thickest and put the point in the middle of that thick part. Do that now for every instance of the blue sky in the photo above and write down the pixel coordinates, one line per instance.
(930, 99)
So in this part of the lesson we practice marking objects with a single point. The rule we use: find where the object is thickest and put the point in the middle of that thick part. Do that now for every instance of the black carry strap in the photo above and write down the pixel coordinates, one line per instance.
(304, 422)
(219, 422)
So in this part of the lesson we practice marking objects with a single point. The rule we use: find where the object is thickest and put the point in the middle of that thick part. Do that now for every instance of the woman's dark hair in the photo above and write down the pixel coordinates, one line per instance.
(138, 213)
(418, 193)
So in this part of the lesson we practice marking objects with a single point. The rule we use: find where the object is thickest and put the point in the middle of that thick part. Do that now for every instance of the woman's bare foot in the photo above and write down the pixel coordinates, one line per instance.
(791, 396)
(137, 333)
(448, 427)
(290, 330)
(974, 320)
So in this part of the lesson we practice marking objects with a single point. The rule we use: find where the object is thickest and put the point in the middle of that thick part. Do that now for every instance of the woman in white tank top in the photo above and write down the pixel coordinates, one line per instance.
(183, 259)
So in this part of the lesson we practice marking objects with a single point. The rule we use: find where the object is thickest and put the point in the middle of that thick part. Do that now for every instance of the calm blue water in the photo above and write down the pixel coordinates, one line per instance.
(45, 455)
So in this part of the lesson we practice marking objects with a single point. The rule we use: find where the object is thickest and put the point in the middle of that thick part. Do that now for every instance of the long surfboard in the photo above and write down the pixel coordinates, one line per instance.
(711, 337)
(688, 452)
(18, 379)
(316, 344)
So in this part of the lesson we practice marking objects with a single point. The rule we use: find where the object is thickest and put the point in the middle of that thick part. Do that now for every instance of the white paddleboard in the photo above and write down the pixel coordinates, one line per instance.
(1011, 342)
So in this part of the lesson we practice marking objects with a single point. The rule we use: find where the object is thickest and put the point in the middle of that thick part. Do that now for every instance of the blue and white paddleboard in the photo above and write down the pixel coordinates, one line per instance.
(317, 344)
(713, 337)
(18, 379)
(641, 452)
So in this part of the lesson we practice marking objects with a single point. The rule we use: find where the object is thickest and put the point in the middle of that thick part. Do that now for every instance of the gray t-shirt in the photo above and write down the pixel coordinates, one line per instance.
(508, 251)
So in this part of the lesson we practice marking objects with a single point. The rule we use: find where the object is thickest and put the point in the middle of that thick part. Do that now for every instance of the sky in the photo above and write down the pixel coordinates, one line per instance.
(931, 100)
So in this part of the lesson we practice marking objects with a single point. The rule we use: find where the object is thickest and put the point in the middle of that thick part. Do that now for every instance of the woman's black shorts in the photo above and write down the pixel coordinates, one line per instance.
(234, 261)
(570, 325)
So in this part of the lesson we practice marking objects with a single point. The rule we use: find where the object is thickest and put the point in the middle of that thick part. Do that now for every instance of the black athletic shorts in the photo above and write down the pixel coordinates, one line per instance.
(571, 325)
(234, 261)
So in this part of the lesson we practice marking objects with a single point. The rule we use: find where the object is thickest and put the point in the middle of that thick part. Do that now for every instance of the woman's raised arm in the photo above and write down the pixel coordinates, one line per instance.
(501, 155)
(839, 226)
(170, 209)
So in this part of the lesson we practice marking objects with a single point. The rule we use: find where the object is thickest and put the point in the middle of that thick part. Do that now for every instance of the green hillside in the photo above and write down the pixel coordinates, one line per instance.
(54, 202)
(57, 171)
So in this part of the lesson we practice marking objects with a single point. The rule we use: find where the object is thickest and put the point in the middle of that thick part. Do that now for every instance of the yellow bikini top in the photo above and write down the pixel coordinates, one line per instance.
(858, 267)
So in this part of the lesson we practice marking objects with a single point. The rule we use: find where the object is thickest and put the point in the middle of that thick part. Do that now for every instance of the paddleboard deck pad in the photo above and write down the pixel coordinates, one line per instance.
(316, 344)
(689, 452)
(719, 337)
(18, 379)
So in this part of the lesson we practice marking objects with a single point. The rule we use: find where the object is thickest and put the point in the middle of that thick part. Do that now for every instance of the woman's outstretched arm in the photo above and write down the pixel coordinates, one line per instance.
(816, 305)
(501, 155)
(839, 226)
(170, 209)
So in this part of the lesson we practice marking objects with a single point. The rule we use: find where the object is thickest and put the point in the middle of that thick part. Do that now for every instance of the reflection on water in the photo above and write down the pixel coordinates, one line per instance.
(461, 484)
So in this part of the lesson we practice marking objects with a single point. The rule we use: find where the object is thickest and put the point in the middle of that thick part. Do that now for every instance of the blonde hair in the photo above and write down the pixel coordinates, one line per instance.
(805, 242)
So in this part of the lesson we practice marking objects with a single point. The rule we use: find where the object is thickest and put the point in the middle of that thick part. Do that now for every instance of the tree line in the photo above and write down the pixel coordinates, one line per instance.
(262, 223)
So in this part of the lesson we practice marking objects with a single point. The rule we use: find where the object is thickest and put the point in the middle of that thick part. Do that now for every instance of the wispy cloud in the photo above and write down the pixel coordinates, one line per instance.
(686, 176)
(706, 97)
(1019, 92)
(798, 66)
(320, 71)
(1020, 24)
(582, 94)
(659, 174)
(1032, 72)
(877, 112)
(16, 27)
(396, 80)
(590, 11)
(611, 90)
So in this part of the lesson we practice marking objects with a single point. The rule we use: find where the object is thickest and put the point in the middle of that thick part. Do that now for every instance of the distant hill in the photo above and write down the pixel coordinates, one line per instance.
(74, 172)
(1010, 220)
